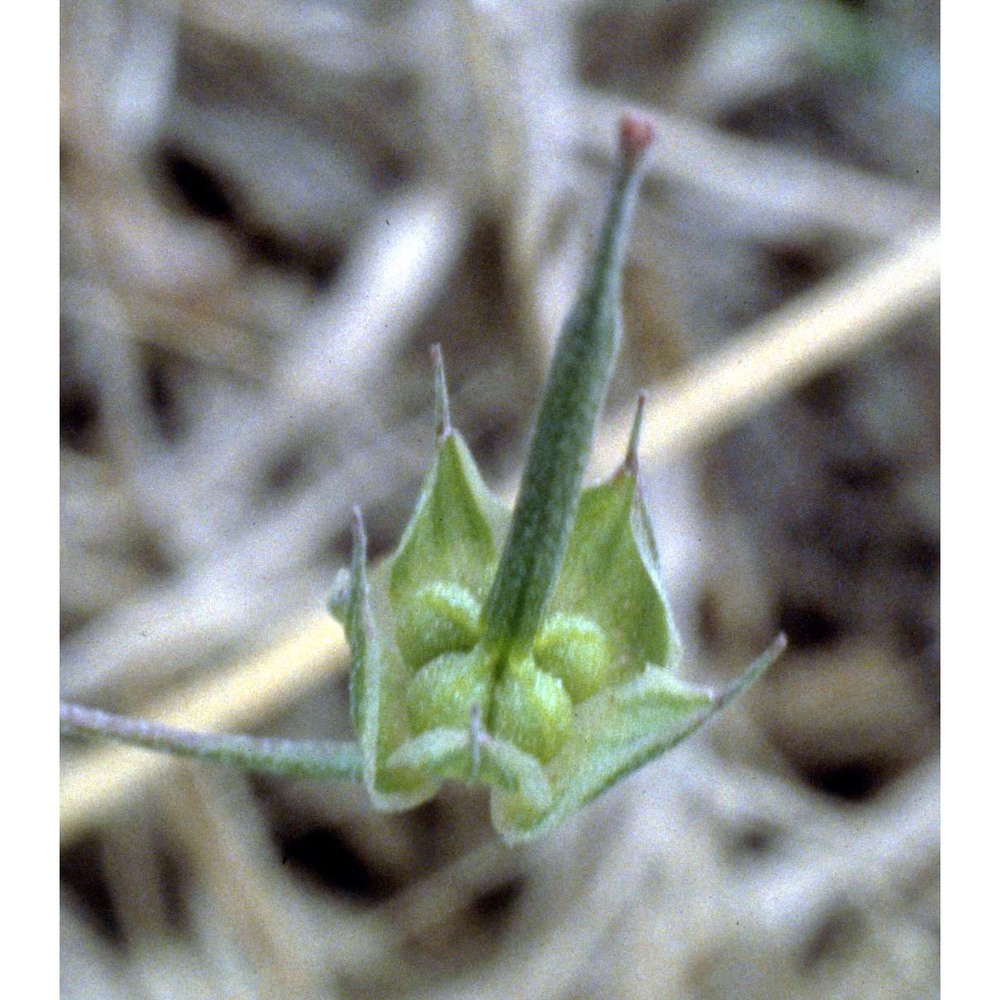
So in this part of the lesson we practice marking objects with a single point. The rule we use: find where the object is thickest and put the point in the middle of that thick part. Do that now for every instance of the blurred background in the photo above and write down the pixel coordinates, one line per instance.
(270, 211)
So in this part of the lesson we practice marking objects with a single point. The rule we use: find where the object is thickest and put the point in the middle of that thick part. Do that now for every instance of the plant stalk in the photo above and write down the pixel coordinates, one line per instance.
(564, 431)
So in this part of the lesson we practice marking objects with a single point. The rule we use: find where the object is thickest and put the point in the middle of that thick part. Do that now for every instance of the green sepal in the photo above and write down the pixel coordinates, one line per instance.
(611, 577)
(455, 754)
(444, 752)
(617, 732)
(425, 598)
(512, 770)
(378, 682)
(454, 533)
(614, 733)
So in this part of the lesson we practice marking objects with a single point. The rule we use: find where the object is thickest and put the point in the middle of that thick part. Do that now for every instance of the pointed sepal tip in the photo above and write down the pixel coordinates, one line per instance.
(442, 414)
(752, 673)
(631, 463)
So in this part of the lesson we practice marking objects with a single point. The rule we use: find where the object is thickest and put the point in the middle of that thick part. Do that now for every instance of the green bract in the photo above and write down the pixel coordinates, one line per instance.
(531, 650)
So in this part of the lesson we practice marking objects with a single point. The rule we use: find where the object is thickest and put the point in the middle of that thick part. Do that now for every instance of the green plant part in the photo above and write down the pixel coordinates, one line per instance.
(532, 651)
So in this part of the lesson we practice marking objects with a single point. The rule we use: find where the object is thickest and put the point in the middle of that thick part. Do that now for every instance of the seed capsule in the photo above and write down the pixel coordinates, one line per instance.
(532, 710)
(575, 650)
(443, 692)
(439, 618)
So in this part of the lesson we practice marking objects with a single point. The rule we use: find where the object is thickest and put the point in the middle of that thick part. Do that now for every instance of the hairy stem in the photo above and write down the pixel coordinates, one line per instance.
(564, 431)
(294, 758)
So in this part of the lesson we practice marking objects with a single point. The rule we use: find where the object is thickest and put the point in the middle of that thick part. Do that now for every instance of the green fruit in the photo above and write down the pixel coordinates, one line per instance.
(532, 710)
(444, 690)
(575, 650)
(439, 618)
